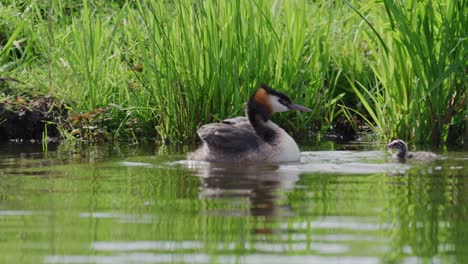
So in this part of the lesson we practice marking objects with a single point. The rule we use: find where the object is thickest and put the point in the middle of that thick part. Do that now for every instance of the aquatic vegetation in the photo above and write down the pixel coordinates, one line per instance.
(171, 66)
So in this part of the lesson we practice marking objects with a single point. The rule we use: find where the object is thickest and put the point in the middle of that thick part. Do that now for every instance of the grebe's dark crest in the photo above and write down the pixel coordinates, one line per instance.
(254, 137)
(400, 146)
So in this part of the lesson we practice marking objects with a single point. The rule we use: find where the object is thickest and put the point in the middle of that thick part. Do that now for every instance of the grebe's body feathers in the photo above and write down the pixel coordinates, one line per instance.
(230, 141)
(229, 136)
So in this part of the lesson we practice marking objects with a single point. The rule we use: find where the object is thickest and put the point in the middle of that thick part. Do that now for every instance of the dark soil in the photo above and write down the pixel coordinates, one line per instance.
(28, 121)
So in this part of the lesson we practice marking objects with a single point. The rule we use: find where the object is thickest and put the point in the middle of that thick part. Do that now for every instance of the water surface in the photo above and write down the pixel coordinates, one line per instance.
(147, 204)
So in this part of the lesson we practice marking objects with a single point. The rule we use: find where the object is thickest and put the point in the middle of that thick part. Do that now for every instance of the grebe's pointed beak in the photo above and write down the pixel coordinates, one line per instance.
(299, 108)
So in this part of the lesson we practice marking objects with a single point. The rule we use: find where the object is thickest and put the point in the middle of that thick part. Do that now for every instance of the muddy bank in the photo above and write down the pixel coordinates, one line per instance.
(28, 121)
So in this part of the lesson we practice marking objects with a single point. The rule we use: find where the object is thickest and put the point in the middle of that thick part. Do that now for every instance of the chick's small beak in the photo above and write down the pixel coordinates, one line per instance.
(299, 108)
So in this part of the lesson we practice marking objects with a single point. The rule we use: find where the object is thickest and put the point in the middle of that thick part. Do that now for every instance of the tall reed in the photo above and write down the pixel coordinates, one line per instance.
(420, 68)
(203, 59)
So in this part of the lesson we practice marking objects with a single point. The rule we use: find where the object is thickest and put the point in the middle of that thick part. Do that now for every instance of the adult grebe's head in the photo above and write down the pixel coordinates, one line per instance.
(265, 101)
(400, 147)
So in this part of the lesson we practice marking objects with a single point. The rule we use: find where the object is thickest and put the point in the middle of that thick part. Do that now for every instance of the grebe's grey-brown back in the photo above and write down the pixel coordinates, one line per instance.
(254, 138)
(402, 151)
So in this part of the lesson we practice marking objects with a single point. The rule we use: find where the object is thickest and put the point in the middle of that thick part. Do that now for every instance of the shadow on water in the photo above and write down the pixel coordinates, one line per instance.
(146, 204)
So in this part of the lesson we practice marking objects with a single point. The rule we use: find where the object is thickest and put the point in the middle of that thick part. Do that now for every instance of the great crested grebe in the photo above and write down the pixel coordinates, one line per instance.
(402, 151)
(252, 138)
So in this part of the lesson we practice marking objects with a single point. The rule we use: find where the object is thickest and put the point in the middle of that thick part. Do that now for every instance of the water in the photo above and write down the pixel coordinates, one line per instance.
(144, 204)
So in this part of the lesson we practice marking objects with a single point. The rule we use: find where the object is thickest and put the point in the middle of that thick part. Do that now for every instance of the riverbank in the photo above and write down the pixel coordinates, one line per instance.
(46, 119)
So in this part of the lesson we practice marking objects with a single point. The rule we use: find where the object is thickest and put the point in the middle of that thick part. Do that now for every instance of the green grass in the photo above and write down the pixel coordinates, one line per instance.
(160, 69)
(419, 89)
(203, 61)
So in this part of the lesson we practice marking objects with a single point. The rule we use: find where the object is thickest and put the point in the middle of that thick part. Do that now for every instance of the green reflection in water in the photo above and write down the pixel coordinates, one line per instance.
(143, 204)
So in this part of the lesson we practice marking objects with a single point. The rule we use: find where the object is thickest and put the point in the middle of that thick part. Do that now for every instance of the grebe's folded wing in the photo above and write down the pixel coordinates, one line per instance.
(236, 136)
(240, 121)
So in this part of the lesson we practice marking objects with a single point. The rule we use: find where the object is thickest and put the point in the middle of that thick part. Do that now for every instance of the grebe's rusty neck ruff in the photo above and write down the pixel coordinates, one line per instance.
(260, 108)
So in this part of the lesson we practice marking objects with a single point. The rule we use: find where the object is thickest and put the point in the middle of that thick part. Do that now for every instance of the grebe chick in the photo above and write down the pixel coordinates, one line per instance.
(402, 151)
(254, 138)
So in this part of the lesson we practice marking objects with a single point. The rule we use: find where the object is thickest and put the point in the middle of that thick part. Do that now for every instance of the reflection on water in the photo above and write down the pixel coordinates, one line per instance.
(260, 184)
(144, 204)
(206, 258)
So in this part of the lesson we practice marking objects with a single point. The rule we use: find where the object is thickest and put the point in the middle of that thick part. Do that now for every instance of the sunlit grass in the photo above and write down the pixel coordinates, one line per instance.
(170, 67)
